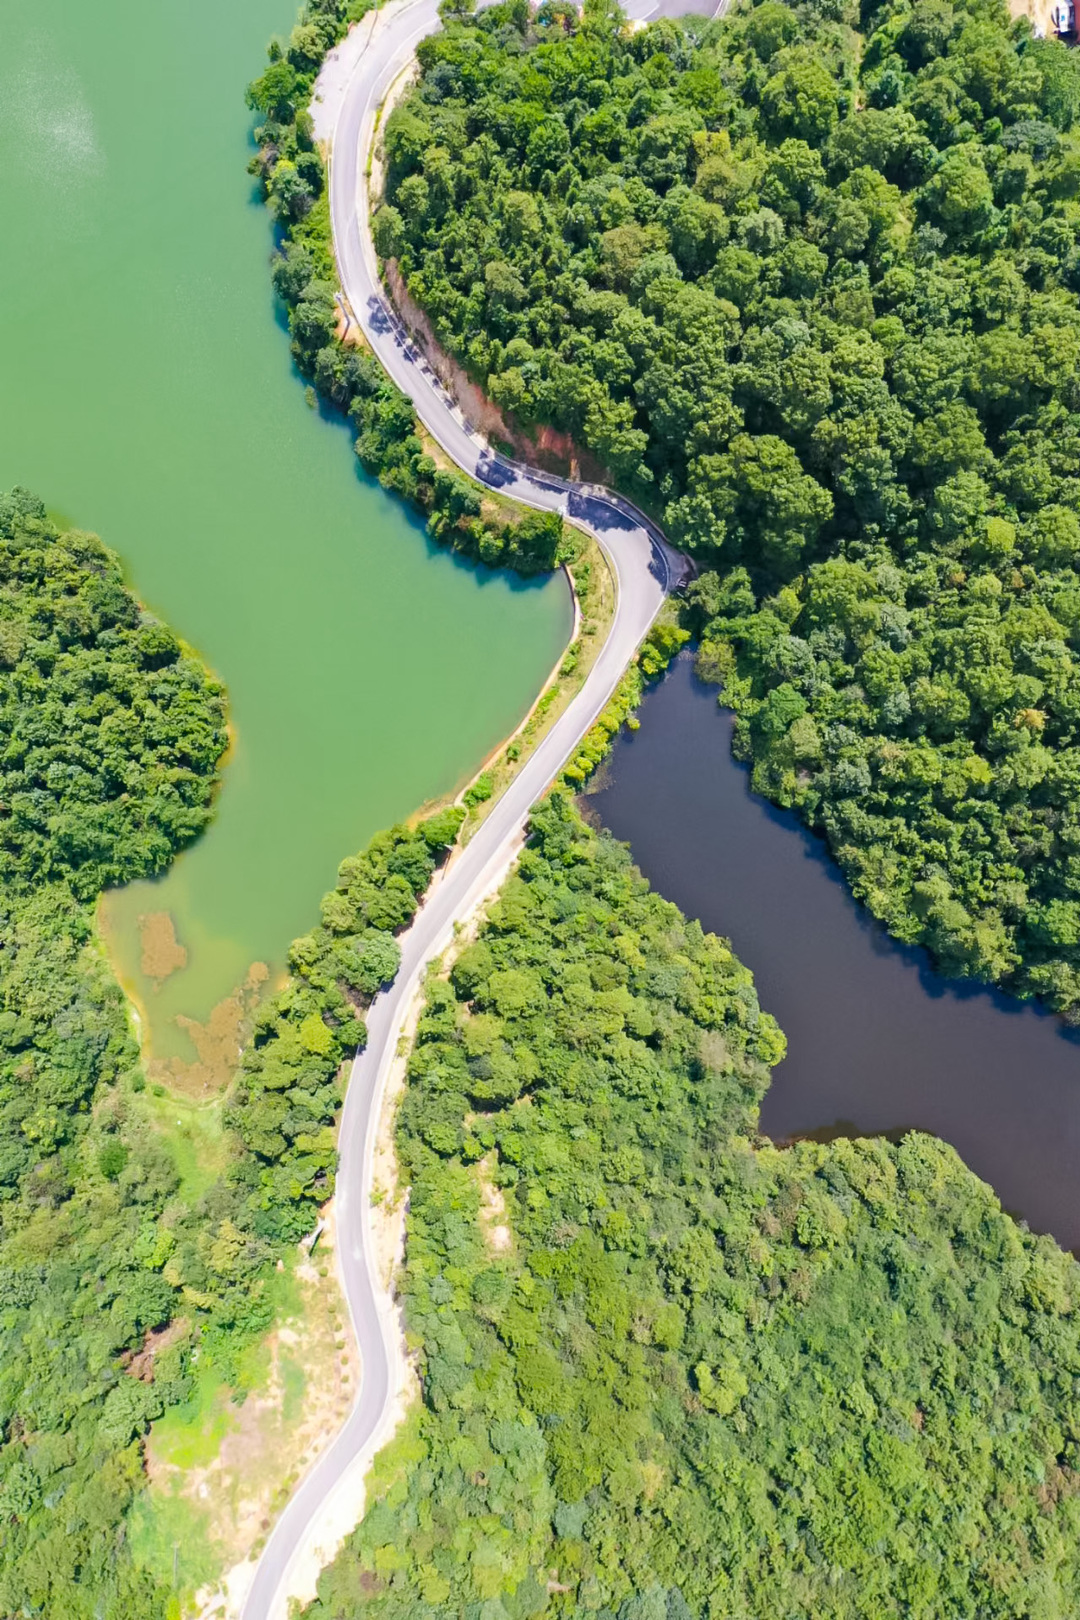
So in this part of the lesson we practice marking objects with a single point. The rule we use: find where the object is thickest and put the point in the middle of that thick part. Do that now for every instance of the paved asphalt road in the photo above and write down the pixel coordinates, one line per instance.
(646, 569)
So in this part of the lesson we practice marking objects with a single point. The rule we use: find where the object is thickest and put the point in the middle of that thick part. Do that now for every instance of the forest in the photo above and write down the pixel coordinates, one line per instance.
(671, 1372)
(805, 282)
(112, 1280)
(461, 514)
(668, 1369)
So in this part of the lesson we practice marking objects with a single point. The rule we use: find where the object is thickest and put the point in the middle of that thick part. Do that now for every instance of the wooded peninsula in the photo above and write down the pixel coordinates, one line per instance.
(805, 280)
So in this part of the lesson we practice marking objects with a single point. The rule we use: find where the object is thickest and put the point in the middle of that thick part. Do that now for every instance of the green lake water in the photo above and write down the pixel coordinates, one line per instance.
(146, 392)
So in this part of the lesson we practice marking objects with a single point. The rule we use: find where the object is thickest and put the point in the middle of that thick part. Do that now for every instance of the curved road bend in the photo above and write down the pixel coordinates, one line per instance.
(645, 569)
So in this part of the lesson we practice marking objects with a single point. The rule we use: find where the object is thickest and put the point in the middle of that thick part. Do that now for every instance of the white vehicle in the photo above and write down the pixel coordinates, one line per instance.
(1063, 17)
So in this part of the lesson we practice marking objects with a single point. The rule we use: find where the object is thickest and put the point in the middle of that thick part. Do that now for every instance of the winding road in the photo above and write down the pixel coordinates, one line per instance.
(357, 79)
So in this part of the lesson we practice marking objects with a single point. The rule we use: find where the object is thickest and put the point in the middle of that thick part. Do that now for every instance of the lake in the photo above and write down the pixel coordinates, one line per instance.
(877, 1042)
(148, 395)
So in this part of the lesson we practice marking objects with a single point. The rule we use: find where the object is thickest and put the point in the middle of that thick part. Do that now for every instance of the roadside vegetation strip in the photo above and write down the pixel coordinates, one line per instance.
(593, 587)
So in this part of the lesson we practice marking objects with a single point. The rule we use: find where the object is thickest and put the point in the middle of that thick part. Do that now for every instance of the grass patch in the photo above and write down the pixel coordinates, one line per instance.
(294, 1383)
(174, 1538)
(194, 1134)
(594, 589)
(190, 1435)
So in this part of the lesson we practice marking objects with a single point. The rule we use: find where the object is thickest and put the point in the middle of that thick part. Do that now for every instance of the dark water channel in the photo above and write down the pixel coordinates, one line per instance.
(876, 1041)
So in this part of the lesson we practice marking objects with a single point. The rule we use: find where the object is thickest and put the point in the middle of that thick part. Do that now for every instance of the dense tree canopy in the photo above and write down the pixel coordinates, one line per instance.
(814, 298)
(669, 1371)
(109, 732)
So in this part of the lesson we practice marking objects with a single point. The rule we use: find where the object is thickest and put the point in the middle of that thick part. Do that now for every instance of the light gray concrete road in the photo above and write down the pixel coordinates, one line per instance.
(651, 10)
(645, 569)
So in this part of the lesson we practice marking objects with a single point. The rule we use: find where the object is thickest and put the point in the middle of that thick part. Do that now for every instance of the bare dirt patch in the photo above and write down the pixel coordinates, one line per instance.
(497, 1234)
(348, 329)
(546, 448)
(311, 1373)
(141, 1364)
(390, 1199)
